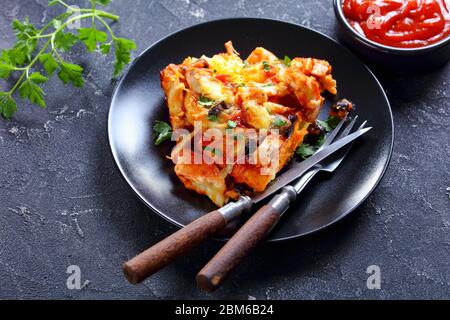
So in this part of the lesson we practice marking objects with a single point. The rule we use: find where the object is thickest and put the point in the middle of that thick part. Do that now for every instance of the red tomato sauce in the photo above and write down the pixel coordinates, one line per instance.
(400, 23)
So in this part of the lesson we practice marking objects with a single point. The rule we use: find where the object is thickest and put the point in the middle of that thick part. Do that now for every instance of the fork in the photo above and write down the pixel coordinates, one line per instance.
(266, 218)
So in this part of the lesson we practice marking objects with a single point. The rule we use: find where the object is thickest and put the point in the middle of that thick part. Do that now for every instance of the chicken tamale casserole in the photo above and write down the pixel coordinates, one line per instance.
(260, 104)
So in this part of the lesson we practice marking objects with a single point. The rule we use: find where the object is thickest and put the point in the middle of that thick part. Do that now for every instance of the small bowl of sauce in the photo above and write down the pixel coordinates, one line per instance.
(402, 35)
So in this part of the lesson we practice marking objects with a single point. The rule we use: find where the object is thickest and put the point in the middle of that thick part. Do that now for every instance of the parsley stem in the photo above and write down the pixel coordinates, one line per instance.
(27, 68)
(64, 25)
(96, 13)
(38, 36)
(44, 45)
(63, 3)
(111, 32)
(48, 25)
(108, 15)
(19, 81)
(93, 10)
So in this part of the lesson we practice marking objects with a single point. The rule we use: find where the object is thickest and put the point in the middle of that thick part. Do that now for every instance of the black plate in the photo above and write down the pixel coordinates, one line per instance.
(138, 101)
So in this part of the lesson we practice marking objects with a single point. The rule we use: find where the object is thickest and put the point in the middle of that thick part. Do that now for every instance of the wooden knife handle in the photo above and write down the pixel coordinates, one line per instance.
(164, 252)
(240, 245)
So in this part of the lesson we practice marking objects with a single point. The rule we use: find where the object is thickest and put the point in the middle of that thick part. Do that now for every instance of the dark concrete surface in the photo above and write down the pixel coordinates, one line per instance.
(62, 201)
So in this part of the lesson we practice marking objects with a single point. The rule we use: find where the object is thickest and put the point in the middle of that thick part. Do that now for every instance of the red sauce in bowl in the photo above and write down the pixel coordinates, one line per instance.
(400, 23)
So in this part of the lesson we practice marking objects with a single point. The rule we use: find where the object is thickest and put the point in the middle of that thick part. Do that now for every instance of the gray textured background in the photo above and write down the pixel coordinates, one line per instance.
(63, 202)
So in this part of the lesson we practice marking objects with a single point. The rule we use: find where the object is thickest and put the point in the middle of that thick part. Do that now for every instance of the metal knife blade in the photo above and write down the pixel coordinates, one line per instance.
(298, 170)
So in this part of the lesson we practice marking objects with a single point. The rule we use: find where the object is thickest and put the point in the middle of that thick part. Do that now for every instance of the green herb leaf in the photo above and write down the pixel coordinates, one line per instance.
(105, 48)
(161, 126)
(5, 58)
(71, 73)
(7, 105)
(266, 66)
(333, 121)
(22, 57)
(123, 48)
(320, 141)
(278, 122)
(91, 36)
(25, 44)
(37, 78)
(213, 118)
(14, 56)
(32, 92)
(324, 125)
(6, 64)
(162, 131)
(5, 69)
(287, 61)
(65, 40)
(49, 63)
(231, 124)
(305, 150)
(25, 32)
(329, 124)
(102, 2)
(205, 101)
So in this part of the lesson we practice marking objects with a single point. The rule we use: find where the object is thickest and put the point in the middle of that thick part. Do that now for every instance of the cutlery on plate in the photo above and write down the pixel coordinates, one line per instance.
(164, 252)
(264, 220)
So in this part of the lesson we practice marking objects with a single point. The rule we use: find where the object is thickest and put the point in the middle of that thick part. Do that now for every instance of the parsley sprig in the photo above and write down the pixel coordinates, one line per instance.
(45, 47)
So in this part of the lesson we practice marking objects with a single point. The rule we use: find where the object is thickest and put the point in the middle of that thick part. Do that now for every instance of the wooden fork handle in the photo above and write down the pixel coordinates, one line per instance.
(164, 252)
(239, 246)
(244, 240)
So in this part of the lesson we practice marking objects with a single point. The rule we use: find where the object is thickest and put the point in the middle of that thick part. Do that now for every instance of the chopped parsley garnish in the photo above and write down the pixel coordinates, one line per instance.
(333, 121)
(213, 118)
(245, 64)
(278, 122)
(205, 101)
(287, 61)
(231, 124)
(162, 131)
(267, 85)
(305, 150)
(330, 123)
(266, 66)
(320, 141)
(324, 125)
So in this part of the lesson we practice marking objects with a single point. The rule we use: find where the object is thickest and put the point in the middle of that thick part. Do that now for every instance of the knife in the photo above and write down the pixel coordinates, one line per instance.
(261, 224)
(167, 250)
